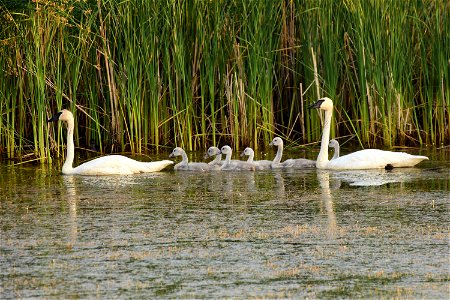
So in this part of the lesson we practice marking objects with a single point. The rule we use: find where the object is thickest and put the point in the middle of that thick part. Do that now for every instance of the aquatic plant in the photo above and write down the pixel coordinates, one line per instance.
(148, 74)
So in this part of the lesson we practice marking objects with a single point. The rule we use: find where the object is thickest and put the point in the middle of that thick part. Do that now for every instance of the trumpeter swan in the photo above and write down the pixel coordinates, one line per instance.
(234, 165)
(298, 163)
(363, 159)
(259, 164)
(184, 165)
(334, 144)
(217, 161)
(105, 165)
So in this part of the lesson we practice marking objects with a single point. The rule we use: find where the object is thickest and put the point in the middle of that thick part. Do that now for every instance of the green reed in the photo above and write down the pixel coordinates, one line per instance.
(142, 75)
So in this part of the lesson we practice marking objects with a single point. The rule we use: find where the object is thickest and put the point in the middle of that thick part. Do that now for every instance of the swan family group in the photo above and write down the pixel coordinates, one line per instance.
(250, 165)
(118, 164)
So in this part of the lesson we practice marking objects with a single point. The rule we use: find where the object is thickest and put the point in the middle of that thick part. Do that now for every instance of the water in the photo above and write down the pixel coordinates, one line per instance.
(272, 234)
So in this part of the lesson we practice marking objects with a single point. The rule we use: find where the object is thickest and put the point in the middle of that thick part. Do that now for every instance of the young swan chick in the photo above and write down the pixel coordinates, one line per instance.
(299, 163)
(334, 144)
(234, 165)
(259, 164)
(217, 162)
(184, 165)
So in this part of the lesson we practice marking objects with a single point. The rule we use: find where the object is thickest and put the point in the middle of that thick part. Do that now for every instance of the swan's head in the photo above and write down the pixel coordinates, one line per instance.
(212, 151)
(333, 143)
(324, 104)
(247, 151)
(176, 152)
(276, 142)
(63, 115)
(225, 150)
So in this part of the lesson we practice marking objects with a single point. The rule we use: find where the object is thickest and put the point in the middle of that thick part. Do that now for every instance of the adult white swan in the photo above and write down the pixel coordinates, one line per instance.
(105, 165)
(363, 159)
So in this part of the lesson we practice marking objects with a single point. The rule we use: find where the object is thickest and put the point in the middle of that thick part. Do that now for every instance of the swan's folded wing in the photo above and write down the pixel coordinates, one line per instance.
(155, 166)
(119, 165)
(299, 163)
(374, 159)
(263, 164)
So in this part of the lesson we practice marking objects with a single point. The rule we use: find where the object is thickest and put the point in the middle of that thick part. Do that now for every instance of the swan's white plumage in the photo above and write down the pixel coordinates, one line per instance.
(105, 165)
(259, 164)
(374, 159)
(236, 164)
(184, 165)
(363, 159)
(117, 164)
(298, 163)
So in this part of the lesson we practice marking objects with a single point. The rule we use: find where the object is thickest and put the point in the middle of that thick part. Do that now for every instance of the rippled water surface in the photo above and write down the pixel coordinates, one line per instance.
(267, 234)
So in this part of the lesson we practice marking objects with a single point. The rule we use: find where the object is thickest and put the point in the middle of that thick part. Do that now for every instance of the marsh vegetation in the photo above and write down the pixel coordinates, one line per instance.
(142, 75)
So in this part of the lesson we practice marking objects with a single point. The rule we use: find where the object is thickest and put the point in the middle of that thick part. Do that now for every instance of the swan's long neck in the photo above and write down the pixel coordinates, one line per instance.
(277, 158)
(336, 152)
(184, 157)
(322, 159)
(217, 159)
(250, 157)
(67, 167)
(228, 158)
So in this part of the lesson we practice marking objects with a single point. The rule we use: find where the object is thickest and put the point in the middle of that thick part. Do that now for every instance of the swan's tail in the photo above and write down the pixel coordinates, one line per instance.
(410, 161)
(156, 166)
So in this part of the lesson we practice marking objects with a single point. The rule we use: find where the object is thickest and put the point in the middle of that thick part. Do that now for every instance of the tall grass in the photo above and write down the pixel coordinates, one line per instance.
(142, 75)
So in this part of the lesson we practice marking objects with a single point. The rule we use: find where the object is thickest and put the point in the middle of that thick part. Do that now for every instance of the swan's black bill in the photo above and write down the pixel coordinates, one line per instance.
(55, 117)
(317, 104)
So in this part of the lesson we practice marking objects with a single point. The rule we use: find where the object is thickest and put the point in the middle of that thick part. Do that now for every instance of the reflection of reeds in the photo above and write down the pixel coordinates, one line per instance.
(152, 73)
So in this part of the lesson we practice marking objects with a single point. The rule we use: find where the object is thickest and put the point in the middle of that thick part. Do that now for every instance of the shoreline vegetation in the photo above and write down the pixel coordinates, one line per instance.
(141, 75)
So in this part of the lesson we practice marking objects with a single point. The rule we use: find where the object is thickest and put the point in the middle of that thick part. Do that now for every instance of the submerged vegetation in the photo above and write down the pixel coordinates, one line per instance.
(144, 74)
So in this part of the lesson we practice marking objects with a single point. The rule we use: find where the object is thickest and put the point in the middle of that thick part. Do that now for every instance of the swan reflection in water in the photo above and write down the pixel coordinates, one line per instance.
(97, 186)
(323, 176)
(281, 189)
(377, 177)
(72, 201)
(237, 183)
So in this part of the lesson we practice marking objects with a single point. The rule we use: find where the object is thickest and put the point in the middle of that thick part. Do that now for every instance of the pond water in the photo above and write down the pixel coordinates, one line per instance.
(266, 234)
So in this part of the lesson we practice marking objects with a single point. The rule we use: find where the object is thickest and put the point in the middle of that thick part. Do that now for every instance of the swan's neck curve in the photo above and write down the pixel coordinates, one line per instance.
(336, 152)
(277, 158)
(322, 159)
(228, 158)
(67, 167)
(184, 158)
(217, 159)
(250, 157)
